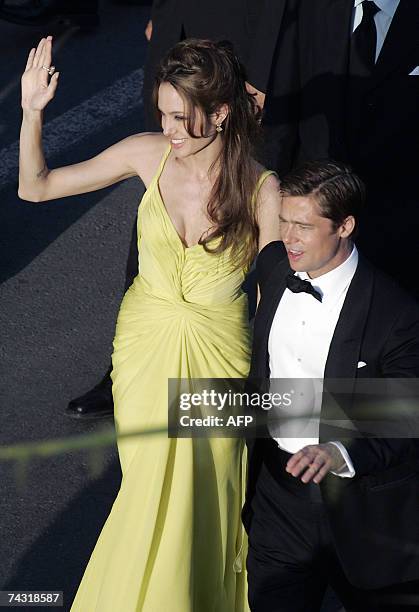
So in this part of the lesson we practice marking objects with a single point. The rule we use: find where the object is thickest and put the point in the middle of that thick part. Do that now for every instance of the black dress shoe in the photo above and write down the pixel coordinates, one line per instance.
(95, 404)
(51, 12)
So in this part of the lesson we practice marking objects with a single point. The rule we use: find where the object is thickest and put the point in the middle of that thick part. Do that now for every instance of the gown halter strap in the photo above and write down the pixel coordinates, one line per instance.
(262, 177)
(162, 164)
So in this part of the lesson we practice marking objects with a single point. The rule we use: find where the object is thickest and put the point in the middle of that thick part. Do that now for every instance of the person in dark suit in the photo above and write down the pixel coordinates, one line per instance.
(345, 85)
(251, 26)
(323, 507)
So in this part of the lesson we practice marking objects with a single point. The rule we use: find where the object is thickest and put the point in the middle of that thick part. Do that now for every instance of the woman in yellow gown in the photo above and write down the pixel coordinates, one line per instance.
(173, 541)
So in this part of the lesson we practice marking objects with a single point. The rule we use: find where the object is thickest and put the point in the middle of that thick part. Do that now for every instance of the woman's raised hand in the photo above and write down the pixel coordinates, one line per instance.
(39, 81)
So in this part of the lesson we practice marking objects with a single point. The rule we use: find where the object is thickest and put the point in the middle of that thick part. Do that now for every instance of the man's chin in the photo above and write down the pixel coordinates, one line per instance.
(296, 265)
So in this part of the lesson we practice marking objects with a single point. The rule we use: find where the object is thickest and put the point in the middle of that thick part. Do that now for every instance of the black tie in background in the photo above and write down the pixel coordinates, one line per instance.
(364, 42)
(298, 285)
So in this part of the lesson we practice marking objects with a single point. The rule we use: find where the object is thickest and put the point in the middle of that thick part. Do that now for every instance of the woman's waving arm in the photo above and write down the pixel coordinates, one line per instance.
(36, 182)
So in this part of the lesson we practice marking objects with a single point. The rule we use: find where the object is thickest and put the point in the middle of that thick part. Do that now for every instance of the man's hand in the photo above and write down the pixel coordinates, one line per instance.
(148, 32)
(315, 461)
(259, 95)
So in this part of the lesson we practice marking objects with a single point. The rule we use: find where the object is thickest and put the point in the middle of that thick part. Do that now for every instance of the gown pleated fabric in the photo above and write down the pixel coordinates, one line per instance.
(173, 541)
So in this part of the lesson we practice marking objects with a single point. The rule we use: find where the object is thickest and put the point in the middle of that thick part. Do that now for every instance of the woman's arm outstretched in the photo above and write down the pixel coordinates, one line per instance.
(36, 182)
(36, 93)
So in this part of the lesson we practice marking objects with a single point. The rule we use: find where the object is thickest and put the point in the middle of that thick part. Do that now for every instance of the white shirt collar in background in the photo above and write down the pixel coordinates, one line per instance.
(388, 6)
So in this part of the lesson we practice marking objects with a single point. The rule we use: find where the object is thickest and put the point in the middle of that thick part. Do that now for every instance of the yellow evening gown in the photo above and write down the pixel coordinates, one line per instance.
(173, 541)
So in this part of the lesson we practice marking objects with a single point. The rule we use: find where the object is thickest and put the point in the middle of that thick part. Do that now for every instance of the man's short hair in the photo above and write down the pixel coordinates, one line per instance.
(339, 192)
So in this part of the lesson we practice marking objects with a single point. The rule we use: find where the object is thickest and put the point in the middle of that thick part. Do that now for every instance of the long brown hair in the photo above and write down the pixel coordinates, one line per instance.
(207, 75)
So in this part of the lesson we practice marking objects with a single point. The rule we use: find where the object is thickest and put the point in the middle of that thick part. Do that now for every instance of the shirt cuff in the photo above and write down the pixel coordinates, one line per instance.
(349, 472)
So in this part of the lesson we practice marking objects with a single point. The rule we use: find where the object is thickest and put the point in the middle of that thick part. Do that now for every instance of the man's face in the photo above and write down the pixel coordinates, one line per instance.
(312, 243)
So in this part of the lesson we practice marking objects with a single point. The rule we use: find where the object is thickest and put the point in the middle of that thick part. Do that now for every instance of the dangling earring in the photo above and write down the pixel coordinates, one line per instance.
(219, 127)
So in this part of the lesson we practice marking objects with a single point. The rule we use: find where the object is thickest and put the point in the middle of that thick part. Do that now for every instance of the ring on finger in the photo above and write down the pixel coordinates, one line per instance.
(49, 69)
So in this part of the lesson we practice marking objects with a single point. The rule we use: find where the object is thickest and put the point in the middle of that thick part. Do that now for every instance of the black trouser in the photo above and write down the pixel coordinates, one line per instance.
(291, 553)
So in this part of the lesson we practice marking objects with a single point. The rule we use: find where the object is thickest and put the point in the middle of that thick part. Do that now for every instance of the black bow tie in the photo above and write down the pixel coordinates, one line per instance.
(298, 285)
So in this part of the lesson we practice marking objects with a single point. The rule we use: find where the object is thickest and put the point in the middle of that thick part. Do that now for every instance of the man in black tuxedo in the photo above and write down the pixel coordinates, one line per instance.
(345, 85)
(251, 25)
(330, 508)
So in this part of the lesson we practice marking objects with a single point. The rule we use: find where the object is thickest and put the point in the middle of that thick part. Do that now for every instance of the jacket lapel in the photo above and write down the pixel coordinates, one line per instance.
(401, 37)
(343, 357)
(345, 347)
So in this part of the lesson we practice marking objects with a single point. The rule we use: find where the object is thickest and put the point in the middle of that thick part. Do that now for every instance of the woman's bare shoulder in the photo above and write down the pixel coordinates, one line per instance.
(269, 189)
(267, 209)
(150, 140)
(147, 145)
(145, 151)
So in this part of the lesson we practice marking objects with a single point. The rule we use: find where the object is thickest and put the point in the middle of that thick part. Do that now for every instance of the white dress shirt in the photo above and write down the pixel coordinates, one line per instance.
(298, 345)
(382, 19)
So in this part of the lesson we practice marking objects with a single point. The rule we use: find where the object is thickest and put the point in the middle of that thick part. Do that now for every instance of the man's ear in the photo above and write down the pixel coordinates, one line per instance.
(347, 227)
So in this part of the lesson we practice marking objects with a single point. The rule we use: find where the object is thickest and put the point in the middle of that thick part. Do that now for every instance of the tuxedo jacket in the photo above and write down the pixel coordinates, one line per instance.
(374, 516)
